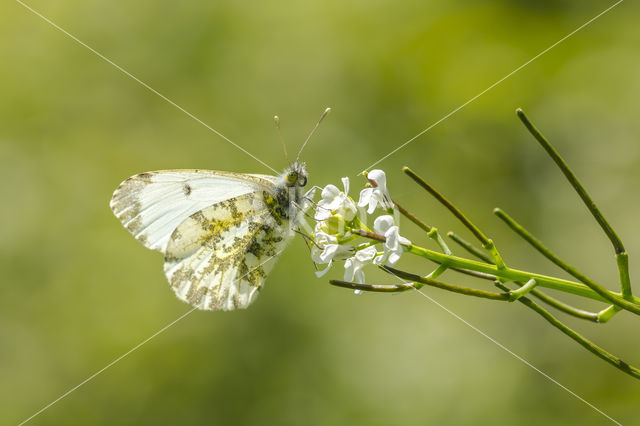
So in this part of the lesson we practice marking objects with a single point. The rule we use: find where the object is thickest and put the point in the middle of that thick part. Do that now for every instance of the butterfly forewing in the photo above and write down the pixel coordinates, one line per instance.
(152, 205)
(218, 258)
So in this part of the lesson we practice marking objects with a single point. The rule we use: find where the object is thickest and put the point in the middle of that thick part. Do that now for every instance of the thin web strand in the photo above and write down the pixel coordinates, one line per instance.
(88, 379)
(494, 84)
(516, 356)
(142, 83)
(94, 375)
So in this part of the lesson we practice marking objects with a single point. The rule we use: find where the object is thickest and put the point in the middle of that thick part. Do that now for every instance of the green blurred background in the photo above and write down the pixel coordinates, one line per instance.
(77, 290)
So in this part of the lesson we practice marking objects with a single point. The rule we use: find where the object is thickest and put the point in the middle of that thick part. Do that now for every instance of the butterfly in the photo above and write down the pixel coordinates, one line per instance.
(220, 232)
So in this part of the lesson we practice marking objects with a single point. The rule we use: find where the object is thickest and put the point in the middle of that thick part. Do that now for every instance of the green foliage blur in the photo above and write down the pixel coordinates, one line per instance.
(77, 290)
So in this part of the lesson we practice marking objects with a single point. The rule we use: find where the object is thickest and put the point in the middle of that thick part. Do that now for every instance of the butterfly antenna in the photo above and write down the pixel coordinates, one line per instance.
(276, 119)
(324, 114)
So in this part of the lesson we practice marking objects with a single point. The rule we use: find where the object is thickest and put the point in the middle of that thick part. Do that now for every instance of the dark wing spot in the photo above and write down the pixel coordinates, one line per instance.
(145, 177)
(186, 189)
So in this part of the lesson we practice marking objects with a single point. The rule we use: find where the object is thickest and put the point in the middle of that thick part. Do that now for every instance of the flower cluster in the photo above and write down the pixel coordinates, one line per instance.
(339, 218)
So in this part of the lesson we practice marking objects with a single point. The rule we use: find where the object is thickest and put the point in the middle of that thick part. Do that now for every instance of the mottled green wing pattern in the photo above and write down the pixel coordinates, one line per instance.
(219, 257)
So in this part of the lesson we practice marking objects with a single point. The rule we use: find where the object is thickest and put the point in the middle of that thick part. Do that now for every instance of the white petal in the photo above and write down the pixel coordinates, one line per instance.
(378, 177)
(404, 241)
(372, 203)
(383, 223)
(366, 254)
(328, 253)
(324, 271)
(349, 270)
(322, 213)
(393, 259)
(345, 183)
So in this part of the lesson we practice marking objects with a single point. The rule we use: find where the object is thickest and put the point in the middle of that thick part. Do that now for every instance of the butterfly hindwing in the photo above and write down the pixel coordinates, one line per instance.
(218, 258)
(151, 205)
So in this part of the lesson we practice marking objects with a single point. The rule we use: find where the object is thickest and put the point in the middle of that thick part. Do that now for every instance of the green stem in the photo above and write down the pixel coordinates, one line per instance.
(607, 313)
(567, 309)
(513, 274)
(435, 235)
(625, 281)
(621, 254)
(587, 344)
(493, 251)
(469, 247)
(607, 295)
(573, 180)
(450, 287)
(448, 204)
(413, 218)
(372, 287)
(561, 306)
(517, 294)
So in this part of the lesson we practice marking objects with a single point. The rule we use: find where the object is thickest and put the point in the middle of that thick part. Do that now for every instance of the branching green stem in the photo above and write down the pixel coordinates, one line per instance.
(448, 204)
(625, 281)
(510, 274)
(372, 287)
(470, 248)
(517, 294)
(567, 309)
(412, 218)
(621, 254)
(561, 306)
(574, 181)
(631, 304)
(587, 344)
(417, 279)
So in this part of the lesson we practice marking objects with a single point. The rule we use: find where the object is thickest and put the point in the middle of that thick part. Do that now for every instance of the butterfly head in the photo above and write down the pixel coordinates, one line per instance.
(296, 174)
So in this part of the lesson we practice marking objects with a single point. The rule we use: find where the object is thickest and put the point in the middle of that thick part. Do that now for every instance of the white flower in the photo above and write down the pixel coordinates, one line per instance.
(378, 194)
(325, 249)
(353, 265)
(336, 202)
(385, 225)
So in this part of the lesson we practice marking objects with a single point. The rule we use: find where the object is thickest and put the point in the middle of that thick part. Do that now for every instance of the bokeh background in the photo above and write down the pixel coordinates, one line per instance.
(77, 291)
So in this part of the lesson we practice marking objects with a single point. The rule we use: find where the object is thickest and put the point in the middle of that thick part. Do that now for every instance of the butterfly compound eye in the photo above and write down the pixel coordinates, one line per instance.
(291, 178)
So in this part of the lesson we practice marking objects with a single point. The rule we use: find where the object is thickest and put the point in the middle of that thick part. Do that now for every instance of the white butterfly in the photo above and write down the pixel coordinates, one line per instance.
(217, 230)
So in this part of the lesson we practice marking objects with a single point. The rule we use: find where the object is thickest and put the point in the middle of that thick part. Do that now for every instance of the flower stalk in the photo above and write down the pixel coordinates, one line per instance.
(367, 232)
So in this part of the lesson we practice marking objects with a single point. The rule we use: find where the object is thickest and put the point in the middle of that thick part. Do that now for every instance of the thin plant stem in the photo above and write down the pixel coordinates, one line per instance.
(551, 301)
(625, 281)
(474, 274)
(568, 309)
(487, 243)
(372, 287)
(527, 288)
(382, 239)
(469, 247)
(412, 218)
(368, 234)
(508, 274)
(603, 292)
(448, 204)
(587, 344)
(573, 180)
(444, 286)
(511, 274)
(621, 254)
(435, 235)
